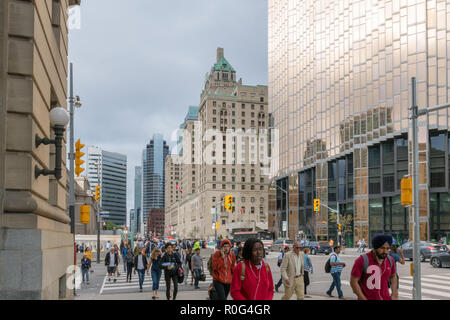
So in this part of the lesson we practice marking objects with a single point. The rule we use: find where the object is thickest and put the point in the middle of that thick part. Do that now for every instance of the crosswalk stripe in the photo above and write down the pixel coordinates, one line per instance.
(442, 277)
(423, 283)
(428, 291)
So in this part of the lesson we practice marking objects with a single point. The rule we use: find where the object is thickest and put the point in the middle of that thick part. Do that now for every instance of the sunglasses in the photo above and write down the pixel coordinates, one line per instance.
(297, 247)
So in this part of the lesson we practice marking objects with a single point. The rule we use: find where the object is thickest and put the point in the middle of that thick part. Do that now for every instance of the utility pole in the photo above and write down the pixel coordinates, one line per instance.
(72, 172)
(417, 292)
(415, 113)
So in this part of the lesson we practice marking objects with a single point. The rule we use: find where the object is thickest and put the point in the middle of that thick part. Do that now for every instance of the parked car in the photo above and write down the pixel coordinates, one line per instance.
(427, 250)
(281, 243)
(439, 260)
(317, 247)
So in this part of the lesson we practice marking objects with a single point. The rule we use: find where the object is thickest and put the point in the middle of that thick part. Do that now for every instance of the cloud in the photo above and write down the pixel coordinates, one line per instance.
(139, 64)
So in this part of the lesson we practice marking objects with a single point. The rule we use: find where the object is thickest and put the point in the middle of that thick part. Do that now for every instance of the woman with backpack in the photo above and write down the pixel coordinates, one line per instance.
(252, 278)
(223, 264)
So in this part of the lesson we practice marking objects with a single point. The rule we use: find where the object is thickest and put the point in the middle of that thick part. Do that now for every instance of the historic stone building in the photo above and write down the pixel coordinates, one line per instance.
(224, 157)
(36, 245)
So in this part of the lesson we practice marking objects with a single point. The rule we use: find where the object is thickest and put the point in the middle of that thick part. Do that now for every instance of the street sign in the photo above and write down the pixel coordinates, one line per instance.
(213, 226)
(213, 211)
(104, 213)
(284, 226)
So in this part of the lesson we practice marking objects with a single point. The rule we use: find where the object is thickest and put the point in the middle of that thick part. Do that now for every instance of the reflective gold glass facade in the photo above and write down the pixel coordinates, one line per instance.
(339, 82)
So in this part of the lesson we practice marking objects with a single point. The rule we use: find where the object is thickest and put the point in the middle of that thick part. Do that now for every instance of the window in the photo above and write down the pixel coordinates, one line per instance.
(388, 166)
(374, 170)
(261, 99)
(252, 199)
(437, 160)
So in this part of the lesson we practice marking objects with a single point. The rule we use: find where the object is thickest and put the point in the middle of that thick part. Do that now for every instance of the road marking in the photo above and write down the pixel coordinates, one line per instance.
(442, 277)
(103, 285)
(428, 291)
(423, 283)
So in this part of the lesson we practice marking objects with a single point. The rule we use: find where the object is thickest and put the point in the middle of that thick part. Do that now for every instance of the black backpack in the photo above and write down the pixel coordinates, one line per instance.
(366, 264)
(328, 265)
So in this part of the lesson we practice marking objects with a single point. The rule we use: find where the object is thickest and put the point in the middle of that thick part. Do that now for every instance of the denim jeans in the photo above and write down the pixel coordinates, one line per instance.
(141, 274)
(85, 272)
(197, 274)
(336, 283)
(280, 282)
(156, 277)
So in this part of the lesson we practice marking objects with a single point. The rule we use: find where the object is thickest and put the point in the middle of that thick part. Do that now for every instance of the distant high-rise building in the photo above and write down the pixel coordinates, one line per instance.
(153, 178)
(137, 197)
(109, 171)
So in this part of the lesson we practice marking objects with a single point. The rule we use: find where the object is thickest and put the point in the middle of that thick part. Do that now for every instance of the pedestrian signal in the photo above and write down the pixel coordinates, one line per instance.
(406, 187)
(339, 226)
(317, 205)
(84, 214)
(78, 155)
(229, 202)
(97, 193)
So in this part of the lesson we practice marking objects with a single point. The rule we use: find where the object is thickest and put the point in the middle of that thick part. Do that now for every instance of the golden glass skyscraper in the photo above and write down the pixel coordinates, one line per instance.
(339, 94)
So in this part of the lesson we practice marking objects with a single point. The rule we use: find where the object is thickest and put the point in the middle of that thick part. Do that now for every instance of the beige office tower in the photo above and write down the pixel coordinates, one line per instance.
(172, 194)
(231, 135)
(340, 89)
(36, 246)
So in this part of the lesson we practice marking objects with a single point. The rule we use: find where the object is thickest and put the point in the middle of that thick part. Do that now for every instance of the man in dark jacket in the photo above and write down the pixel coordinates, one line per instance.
(85, 266)
(111, 263)
(141, 264)
(171, 262)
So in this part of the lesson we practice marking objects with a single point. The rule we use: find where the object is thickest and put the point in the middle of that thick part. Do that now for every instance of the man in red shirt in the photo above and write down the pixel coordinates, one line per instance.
(372, 283)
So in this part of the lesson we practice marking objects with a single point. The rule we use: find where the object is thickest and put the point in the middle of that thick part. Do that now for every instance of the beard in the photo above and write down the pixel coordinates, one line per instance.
(381, 256)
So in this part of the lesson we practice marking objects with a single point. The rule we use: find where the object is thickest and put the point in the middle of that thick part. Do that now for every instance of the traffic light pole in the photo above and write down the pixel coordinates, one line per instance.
(215, 220)
(338, 219)
(415, 113)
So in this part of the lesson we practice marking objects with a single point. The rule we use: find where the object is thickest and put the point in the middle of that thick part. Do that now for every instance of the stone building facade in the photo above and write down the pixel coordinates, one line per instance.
(37, 246)
(224, 157)
(85, 196)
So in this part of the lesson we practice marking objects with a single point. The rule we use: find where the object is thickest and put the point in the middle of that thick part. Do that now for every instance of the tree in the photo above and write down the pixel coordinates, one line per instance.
(111, 225)
(345, 219)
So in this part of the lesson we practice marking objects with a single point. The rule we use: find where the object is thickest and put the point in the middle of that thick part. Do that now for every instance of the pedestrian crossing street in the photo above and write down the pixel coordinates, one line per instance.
(434, 287)
(122, 286)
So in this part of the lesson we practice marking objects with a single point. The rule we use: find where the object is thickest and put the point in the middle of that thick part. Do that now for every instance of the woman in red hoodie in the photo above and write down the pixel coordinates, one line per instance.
(252, 278)
(223, 264)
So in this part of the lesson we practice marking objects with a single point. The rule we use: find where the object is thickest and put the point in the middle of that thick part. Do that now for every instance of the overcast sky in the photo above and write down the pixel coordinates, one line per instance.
(139, 64)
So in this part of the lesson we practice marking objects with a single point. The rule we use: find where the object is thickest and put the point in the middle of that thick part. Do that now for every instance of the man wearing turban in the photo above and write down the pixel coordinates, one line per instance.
(369, 280)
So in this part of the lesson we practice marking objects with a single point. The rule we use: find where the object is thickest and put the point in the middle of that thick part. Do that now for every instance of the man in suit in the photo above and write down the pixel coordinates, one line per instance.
(292, 270)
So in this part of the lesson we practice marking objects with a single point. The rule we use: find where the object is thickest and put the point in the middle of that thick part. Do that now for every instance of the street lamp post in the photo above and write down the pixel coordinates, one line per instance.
(97, 164)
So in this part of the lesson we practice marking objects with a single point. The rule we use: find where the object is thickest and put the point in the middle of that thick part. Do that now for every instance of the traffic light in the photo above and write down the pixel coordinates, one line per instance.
(406, 187)
(78, 155)
(317, 205)
(339, 226)
(97, 193)
(229, 202)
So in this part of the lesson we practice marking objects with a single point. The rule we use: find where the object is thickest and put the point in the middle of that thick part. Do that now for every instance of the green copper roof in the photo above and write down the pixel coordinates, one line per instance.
(223, 65)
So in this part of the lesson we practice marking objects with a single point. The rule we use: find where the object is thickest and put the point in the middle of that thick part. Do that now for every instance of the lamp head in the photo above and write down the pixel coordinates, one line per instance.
(77, 102)
(59, 117)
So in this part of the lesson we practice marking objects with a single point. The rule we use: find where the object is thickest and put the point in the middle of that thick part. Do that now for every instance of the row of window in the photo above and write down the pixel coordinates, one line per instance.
(233, 187)
(233, 105)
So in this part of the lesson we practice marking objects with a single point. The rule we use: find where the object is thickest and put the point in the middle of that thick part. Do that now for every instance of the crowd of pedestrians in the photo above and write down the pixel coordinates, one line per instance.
(239, 270)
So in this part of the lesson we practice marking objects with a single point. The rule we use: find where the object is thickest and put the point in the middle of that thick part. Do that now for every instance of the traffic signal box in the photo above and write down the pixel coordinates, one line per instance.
(316, 205)
(84, 214)
(78, 155)
(229, 202)
(97, 193)
(406, 187)
(339, 226)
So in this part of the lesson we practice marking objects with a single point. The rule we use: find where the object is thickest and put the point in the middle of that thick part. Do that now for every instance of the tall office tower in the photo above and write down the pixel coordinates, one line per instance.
(109, 171)
(137, 196)
(153, 175)
(36, 245)
(223, 156)
(340, 89)
(173, 192)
